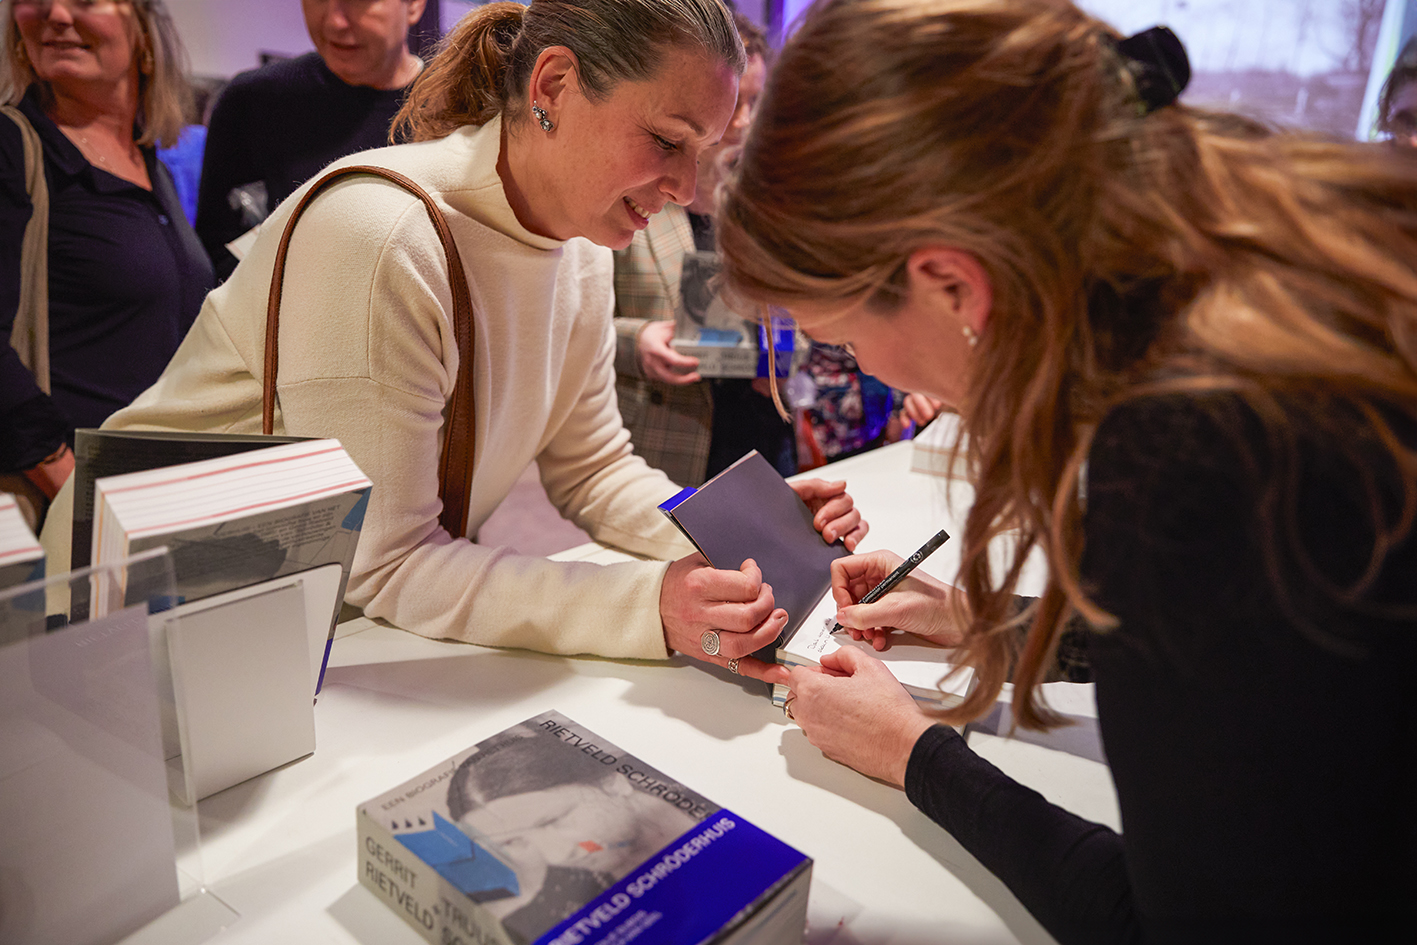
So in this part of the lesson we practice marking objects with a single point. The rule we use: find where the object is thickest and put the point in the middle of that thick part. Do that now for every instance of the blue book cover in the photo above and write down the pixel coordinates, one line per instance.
(547, 834)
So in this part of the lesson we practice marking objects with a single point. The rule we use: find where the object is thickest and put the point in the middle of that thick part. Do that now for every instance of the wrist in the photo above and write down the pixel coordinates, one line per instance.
(907, 733)
(50, 473)
(640, 347)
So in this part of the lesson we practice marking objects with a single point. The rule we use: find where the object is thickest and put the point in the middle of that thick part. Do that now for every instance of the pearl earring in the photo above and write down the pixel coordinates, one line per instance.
(971, 336)
(546, 123)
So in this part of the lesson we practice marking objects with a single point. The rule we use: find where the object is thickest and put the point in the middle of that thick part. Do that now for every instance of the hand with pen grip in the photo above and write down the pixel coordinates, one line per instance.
(919, 604)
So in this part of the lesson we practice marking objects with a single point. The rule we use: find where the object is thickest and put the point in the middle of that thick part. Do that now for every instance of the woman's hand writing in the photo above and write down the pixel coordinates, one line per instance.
(857, 713)
(919, 604)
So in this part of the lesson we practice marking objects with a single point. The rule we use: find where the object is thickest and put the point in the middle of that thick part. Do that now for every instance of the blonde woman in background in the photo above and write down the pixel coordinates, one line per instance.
(1185, 353)
(101, 83)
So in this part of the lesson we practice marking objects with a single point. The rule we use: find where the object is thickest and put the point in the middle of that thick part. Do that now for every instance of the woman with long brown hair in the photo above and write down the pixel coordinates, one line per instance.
(1185, 353)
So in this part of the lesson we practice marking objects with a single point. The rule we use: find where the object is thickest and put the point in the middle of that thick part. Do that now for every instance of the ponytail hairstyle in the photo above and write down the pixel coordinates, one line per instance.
(1130, 254)
(483, 65)
(164, 92)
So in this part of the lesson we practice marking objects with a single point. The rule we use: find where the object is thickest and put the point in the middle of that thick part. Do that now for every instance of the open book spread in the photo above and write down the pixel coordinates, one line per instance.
(925, 669)
(749, 511)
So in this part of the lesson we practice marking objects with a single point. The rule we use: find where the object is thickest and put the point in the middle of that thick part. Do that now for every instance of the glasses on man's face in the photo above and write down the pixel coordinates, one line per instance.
(42, 7)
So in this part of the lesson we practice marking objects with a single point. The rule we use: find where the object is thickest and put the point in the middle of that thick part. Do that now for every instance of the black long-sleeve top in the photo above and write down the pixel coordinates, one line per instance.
(1263, 746)
(279, 126)
(127, 276)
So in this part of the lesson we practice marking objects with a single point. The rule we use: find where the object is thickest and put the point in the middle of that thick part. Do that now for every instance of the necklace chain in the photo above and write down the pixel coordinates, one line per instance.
(89, 149)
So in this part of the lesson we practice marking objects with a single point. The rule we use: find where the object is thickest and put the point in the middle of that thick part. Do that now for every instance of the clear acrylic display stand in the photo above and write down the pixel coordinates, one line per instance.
(98, 841)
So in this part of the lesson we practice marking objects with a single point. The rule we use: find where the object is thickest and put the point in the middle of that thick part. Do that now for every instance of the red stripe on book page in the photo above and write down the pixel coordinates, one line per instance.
(287, 500)
(223, 471)
(6, 555)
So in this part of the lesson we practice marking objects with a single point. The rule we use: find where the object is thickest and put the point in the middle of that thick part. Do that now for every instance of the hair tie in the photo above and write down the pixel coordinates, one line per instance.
(1158, 64)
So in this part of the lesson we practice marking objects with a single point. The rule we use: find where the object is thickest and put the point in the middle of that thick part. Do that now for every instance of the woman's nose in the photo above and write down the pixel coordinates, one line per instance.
(680, 187)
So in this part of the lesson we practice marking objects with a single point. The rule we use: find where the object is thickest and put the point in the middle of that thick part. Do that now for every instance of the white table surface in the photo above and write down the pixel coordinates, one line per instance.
(280, 849)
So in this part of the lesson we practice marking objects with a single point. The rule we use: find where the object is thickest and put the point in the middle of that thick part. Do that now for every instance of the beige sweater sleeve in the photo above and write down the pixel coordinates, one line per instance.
(372, 364)
(592, 475)
(414, 575)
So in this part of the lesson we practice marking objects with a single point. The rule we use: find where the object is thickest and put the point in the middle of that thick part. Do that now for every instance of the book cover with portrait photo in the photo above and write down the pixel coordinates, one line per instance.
(548, 833)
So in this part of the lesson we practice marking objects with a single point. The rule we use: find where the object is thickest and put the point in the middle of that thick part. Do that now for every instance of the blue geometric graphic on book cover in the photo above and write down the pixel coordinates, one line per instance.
(354, 518)
(473, 870)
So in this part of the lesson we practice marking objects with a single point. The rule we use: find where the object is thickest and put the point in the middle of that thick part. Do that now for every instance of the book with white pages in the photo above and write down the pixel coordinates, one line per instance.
(239, 520)
(924, 668)
(21, 557)
(101, 453)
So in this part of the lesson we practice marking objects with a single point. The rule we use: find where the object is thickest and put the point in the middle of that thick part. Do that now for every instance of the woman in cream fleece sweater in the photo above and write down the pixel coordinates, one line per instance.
(546, 134)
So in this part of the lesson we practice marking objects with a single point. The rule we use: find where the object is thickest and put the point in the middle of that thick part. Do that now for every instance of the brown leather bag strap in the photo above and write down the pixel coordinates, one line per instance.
(459, 446)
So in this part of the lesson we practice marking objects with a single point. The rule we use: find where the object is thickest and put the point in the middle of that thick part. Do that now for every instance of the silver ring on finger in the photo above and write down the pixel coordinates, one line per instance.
(733, 667)
(710, 642)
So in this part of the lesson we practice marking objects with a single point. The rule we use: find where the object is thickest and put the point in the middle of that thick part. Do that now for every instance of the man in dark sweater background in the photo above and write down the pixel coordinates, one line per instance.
(277, 126)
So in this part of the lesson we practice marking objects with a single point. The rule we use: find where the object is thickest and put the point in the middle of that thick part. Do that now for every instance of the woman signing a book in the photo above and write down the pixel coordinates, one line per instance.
(544, 134)
(1184, 348)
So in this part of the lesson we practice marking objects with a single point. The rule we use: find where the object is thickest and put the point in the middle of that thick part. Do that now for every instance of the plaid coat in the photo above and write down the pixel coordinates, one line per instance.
(669, 425)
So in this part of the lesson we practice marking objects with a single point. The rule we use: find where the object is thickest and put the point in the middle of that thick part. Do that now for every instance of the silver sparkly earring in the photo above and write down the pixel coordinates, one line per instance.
(971, 336)
(546, 123)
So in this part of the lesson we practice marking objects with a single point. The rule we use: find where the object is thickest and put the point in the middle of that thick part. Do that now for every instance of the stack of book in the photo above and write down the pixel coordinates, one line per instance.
(258, 508)
(21, 557)
(236, 520)
(261, 535)
(546, 833)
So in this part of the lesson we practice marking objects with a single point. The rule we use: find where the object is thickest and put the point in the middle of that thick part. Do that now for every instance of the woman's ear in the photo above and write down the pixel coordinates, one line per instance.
(553, 77)
(954, 283)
